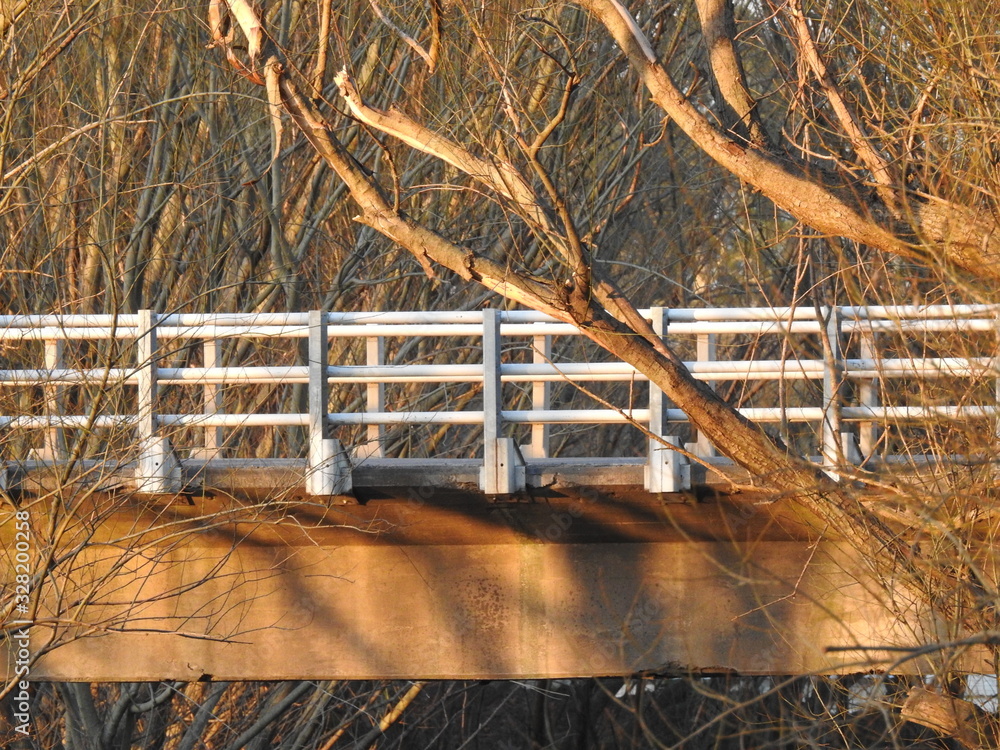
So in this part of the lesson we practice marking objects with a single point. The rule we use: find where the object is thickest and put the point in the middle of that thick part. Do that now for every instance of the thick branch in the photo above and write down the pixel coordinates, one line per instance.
(498, 175)
(953, 233)
(11, 12)
(719, 30)
(379, 214)
(971, 726)
(882, 174)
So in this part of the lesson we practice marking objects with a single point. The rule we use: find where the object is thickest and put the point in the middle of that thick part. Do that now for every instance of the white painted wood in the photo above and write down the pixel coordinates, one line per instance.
(830, 427)
(158, 471)
(374, 446)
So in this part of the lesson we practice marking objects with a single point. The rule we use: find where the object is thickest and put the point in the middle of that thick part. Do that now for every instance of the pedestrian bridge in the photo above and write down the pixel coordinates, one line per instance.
(460, 494)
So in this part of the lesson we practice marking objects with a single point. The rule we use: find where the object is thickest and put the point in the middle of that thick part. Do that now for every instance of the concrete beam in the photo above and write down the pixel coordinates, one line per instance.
(434, 584)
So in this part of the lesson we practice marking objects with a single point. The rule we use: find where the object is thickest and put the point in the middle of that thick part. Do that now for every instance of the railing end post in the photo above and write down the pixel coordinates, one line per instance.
(503, 467)
(329, 470)
(665, 470)
(158, 471)
(503, 471)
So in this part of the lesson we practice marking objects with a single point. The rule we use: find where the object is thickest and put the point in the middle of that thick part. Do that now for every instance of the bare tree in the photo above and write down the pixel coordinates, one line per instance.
(583, 159)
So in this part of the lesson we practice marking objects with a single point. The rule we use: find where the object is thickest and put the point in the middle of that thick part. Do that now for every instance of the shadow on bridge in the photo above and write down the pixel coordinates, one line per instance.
(437, 583)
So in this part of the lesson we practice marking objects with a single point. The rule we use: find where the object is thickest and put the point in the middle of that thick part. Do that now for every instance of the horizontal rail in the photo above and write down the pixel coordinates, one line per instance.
(789, 369)
(525, 416)
(514, 322)
(872, 312)
(747, 327)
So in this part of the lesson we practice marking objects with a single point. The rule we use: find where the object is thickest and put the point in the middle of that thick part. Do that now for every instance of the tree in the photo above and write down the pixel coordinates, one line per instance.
(798, 154)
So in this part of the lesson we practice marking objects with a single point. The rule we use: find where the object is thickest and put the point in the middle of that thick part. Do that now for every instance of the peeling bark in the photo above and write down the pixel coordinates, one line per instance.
(969, 725)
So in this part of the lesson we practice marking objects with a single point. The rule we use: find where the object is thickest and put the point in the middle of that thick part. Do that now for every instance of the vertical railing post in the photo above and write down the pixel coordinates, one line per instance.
(541, 396)
(996, 390)
(54, 445)
(319, 398)
(211, 400)
(664, 472)
(158, 471)
(706, 351)
(329, 470)
(374, 443)
(868, 395)
(502, 473)
(833, 443)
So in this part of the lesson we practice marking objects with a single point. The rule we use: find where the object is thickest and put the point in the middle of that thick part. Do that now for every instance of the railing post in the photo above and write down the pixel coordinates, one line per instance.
(374, 444)
(836, 446)
(706, 352)
(502, 473)
(211, 402)
(158, 472)
(329, 471)
(54, 445)
(868, 394)
(541, 395)
(664, 471)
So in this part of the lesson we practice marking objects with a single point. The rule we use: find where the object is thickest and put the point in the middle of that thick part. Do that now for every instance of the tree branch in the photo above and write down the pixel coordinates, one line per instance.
(932, 230)
(409, 40)
(969, 725)
(719, 30)
(498, 175)
(420, 241)
(884, 177)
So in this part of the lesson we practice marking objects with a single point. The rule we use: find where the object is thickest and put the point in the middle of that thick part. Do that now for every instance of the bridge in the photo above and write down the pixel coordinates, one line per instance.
(416, 494)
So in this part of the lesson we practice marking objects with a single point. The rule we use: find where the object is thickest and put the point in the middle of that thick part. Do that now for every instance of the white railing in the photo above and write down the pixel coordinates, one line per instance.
(828, 333)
